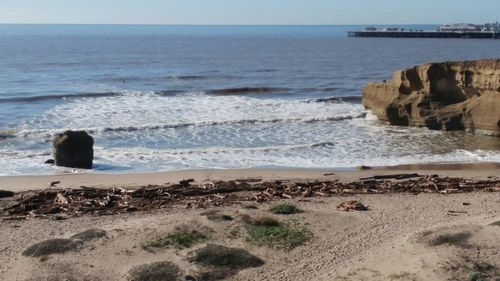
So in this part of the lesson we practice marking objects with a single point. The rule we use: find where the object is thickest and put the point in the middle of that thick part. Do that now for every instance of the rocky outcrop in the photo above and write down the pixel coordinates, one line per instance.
(74, 149)
(440, 96)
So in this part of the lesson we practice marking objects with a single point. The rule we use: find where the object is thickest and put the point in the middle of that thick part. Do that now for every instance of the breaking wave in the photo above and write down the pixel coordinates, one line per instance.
(349, 99)
(150, 127)
(247, 90)
(61, 96)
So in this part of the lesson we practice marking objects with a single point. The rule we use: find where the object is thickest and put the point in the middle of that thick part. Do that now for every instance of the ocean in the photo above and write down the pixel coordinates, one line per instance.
(159, 98)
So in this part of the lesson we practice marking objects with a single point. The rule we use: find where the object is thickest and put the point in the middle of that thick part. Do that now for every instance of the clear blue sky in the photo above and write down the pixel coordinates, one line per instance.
(248, 11)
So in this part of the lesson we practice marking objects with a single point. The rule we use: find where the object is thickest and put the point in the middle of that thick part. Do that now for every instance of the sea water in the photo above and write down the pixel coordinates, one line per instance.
(159, 98)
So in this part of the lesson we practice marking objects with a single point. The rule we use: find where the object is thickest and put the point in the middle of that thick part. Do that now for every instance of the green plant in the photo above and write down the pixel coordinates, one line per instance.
(278, 235)
(180, 239)
(476, 276)
(285, 209)
(221, 256)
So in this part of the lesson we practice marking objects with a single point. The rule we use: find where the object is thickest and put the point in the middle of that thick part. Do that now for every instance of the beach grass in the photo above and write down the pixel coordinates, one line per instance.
(285, 209)
(269, 232)
(181, 238)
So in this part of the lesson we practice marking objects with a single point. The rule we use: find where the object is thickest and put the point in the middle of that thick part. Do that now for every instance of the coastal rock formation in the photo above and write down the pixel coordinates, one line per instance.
(440, 96)
(74, 149)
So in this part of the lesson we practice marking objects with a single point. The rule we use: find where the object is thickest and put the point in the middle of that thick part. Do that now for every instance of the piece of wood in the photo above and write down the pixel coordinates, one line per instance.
(61, 199)
(393, 176)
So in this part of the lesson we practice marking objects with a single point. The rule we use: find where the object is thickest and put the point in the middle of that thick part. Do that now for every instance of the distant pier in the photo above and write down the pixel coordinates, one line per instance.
(426, 34)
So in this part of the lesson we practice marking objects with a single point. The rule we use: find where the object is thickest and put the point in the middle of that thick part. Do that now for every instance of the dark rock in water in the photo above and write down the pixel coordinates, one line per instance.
(440, 96)
(50, 162)
(6, 193)
(52, 246)
(74, 149)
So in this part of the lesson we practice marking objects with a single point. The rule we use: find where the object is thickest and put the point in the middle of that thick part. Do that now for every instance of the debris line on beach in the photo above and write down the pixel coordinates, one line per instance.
(64, 203)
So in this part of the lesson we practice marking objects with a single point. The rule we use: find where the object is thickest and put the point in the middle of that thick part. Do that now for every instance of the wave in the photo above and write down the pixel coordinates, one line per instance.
(246, 90)
(61, 96)
(221, 150)
(231, 122)
(150, 127)
(187, 77)
(7, 134)
(172, 92)
(85, 95)
(228, 91)
(134, 152)
(349, 99)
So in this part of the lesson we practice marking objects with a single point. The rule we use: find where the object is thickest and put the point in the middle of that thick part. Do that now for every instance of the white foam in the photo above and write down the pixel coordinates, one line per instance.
(146, 109)
(142, 131)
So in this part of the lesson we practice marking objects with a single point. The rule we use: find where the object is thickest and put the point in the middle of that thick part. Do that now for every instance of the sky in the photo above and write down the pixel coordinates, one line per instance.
(258, 12)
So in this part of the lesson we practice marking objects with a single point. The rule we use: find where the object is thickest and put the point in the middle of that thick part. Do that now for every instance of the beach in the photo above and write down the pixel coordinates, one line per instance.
(395, 239)
(246, 153)
(134, 180)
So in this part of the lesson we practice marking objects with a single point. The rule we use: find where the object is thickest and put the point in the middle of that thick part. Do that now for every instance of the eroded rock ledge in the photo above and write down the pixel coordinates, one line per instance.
(440, 96)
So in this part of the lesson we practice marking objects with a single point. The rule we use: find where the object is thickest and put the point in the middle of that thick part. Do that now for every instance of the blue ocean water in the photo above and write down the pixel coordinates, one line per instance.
(180, 97)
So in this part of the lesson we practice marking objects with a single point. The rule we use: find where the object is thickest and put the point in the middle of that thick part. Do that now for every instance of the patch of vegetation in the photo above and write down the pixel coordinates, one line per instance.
(215, 215)
(285, 209)
(476, 276)
(89, 235)
(182, 238)
(497, 223)
(483, 267)
(52, 246)
(224, 257)
(158, 271)
(460, 239)
(269, 232)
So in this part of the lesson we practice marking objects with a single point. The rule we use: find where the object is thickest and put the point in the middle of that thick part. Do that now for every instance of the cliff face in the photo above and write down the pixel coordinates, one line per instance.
(440, 96)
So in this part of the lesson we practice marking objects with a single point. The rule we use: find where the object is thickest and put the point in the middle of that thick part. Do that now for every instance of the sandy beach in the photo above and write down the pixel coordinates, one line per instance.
(131, 180)
(401, 236)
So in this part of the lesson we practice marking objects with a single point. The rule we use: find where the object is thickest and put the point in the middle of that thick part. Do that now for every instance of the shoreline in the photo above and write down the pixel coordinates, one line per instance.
(131, 180)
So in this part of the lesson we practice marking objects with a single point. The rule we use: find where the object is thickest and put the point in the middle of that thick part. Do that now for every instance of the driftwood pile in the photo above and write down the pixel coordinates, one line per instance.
(62, 203)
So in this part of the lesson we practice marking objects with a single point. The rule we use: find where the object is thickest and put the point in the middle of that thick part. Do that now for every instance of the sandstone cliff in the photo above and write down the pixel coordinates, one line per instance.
(440, 96)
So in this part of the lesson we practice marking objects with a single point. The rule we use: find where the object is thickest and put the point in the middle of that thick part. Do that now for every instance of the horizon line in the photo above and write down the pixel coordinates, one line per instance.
(228, 24)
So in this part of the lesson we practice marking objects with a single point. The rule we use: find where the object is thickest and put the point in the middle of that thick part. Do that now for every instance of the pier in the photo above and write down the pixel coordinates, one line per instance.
(426, 34)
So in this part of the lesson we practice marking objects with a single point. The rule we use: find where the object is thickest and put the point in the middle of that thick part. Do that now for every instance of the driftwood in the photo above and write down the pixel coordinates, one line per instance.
(396, 176)
(352, 205)
(62, 203)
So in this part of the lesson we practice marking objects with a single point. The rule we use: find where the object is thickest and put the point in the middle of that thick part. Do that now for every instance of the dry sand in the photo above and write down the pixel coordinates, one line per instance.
(131, 180)
(401, 237)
